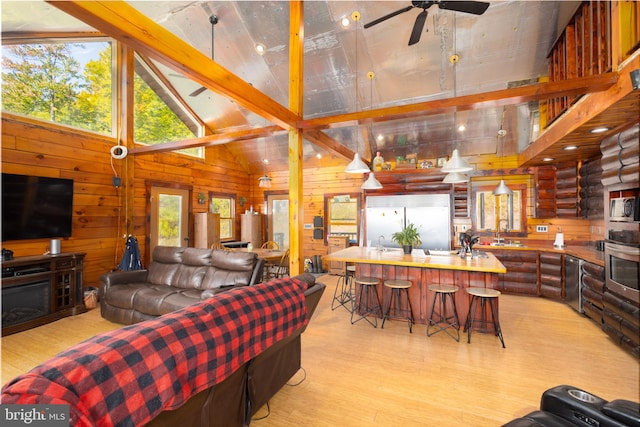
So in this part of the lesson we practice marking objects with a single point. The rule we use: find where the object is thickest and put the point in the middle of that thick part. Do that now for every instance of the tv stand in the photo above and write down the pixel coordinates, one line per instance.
(41, 289)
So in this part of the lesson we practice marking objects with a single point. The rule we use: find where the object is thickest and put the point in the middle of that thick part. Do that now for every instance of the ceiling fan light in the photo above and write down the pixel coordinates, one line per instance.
(357, 165)
(265, 182)
(456, 164)
(502, 189)
(455, 177)
(371, 183)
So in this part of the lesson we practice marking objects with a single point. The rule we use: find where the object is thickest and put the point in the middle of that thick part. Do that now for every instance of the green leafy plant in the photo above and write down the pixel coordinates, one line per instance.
(408, 236)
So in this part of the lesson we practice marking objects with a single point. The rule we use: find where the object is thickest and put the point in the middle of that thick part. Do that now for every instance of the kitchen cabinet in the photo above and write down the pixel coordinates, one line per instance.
(551, 275)
(622, 321)
(522, 272)
(335, 243)
(251, 229)
(206, 229)
(592, 285)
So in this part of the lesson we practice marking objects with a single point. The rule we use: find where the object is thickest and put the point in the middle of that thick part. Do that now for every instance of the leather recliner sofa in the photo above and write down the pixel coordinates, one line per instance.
(565, 406)
(211, 364)
(176, 277)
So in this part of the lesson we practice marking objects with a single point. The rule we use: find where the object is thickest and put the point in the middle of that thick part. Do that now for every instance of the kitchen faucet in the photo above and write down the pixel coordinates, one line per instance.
(506, 228)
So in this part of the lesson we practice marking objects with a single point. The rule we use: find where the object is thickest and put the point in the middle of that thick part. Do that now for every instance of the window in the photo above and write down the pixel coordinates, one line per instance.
(66, 83)
(158, 115)
(505, 213)
(341, 215)
(225, 206)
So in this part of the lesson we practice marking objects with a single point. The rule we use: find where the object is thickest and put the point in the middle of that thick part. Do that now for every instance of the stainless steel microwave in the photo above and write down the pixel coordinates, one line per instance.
(625, 209)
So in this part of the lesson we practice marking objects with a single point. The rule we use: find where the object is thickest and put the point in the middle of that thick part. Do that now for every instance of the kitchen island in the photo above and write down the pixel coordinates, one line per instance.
(423, 270)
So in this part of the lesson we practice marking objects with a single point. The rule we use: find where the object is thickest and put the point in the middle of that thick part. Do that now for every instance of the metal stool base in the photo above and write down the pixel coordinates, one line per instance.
(440, 320)
(400, 310)
(367, 298)
(483, 321)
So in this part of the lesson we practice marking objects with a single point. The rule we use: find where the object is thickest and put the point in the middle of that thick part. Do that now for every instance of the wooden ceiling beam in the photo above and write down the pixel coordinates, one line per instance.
(498, 98)
(209, 140)
(121, 21)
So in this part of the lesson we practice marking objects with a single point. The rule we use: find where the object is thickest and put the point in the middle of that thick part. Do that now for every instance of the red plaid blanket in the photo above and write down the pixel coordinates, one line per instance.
(128, 376)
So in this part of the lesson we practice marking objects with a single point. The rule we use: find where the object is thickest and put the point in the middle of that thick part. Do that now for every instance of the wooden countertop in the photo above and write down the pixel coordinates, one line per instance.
(587, 253)
(357, 254)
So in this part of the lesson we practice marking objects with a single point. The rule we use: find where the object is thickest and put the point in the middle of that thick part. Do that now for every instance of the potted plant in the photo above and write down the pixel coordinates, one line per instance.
(407, 237)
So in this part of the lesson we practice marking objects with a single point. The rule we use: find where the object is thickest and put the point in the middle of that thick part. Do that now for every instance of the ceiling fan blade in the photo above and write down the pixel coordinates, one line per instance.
(198, 91)
(474, 7)
(418, 26)
(391, 15)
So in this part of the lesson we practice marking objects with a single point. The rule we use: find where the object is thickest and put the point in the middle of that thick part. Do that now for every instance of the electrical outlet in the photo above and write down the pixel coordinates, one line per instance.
(542, 229)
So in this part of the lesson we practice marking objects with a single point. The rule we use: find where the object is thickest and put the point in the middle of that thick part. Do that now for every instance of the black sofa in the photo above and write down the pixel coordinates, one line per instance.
(568, 406)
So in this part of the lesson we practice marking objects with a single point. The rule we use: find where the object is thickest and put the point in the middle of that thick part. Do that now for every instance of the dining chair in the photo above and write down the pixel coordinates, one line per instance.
(271, 245)
(276, 271)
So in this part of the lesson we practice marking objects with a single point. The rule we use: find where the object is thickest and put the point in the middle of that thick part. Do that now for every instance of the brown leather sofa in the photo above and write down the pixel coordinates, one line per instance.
(176, 277)
(130, 352)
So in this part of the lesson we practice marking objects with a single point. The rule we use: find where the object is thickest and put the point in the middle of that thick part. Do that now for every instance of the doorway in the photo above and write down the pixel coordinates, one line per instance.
(278, 219)
(169, 217)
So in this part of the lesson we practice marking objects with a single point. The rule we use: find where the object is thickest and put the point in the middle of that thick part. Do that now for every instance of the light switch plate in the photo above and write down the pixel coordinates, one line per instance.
(542, 229)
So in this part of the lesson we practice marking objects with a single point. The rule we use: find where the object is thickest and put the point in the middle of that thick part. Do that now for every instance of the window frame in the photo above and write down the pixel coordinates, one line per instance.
(232, 206)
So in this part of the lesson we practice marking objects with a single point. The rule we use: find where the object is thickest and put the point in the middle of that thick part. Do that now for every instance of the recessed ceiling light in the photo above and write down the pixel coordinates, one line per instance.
(548, 159)
(462, 128)
(319, 155)
(599, 130)
(380, 137)
(260, 48)
(570, 147)
(345, 22)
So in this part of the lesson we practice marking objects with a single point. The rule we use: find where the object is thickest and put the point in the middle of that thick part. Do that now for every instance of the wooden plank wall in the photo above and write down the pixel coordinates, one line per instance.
(39, 148)
(34, 147)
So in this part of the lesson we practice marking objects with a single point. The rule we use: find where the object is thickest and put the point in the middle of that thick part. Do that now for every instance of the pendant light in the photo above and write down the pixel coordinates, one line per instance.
(455, 164)
(357, 165)
(502, 187)
(265, 181)
(371, 183)
(455, 178)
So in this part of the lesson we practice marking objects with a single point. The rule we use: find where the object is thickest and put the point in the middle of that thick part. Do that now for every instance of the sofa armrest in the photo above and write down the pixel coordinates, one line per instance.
(256, 277)
(122, 277)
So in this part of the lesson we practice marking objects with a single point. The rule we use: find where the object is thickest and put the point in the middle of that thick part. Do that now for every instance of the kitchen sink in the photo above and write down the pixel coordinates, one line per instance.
(508, 245)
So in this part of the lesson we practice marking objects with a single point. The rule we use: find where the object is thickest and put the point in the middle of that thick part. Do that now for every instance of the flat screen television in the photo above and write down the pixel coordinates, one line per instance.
(36, 207)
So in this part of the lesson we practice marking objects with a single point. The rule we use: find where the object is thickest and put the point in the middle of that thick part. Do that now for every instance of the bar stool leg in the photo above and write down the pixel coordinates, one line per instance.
(496, 321)
(442, 317)
(342, 296)
(369, 295)
(395, 297)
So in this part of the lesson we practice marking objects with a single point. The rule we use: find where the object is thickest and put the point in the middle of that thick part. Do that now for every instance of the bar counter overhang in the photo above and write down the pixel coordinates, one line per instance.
(422, 271)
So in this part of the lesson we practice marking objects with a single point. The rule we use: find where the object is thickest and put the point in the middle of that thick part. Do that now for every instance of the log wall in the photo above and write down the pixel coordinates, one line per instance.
(99, 223)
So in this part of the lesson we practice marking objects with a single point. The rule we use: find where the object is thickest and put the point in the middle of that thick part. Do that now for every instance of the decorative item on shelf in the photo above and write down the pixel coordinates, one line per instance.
(502, 187)
(378, 161)
(242, 201)
(426, 164)
(202, 198)
(407, 237)
(265, 181)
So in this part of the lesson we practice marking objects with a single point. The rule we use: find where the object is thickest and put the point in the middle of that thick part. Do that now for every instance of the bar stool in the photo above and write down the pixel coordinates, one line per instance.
(343, 294)
(367, 301)
(483, 295)
(399, 295)
(441, 320)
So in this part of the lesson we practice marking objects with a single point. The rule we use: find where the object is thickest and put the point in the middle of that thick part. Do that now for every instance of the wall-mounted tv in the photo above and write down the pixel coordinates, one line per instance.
(35, 207)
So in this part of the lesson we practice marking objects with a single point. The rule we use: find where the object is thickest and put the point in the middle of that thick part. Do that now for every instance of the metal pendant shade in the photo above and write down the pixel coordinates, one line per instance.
(265, 181)
(357, 165)
(502, 189)
(456, 164)
(371, 183)
(455, 177)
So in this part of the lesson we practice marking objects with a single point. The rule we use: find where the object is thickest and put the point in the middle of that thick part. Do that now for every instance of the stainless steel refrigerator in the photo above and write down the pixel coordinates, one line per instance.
(431, 214)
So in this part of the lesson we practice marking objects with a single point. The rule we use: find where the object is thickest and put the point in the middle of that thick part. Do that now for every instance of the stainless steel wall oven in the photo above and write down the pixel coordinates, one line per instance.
(622, 266)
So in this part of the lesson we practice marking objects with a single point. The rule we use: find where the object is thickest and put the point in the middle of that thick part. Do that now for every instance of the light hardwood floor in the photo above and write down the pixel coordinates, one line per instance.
(360, 376)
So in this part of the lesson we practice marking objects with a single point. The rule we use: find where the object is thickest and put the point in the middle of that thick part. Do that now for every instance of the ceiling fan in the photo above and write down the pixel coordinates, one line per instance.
(214, 20)
(474, 7)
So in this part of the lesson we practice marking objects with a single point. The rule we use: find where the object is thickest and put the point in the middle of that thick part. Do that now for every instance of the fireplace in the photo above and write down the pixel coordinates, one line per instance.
(25, 302)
